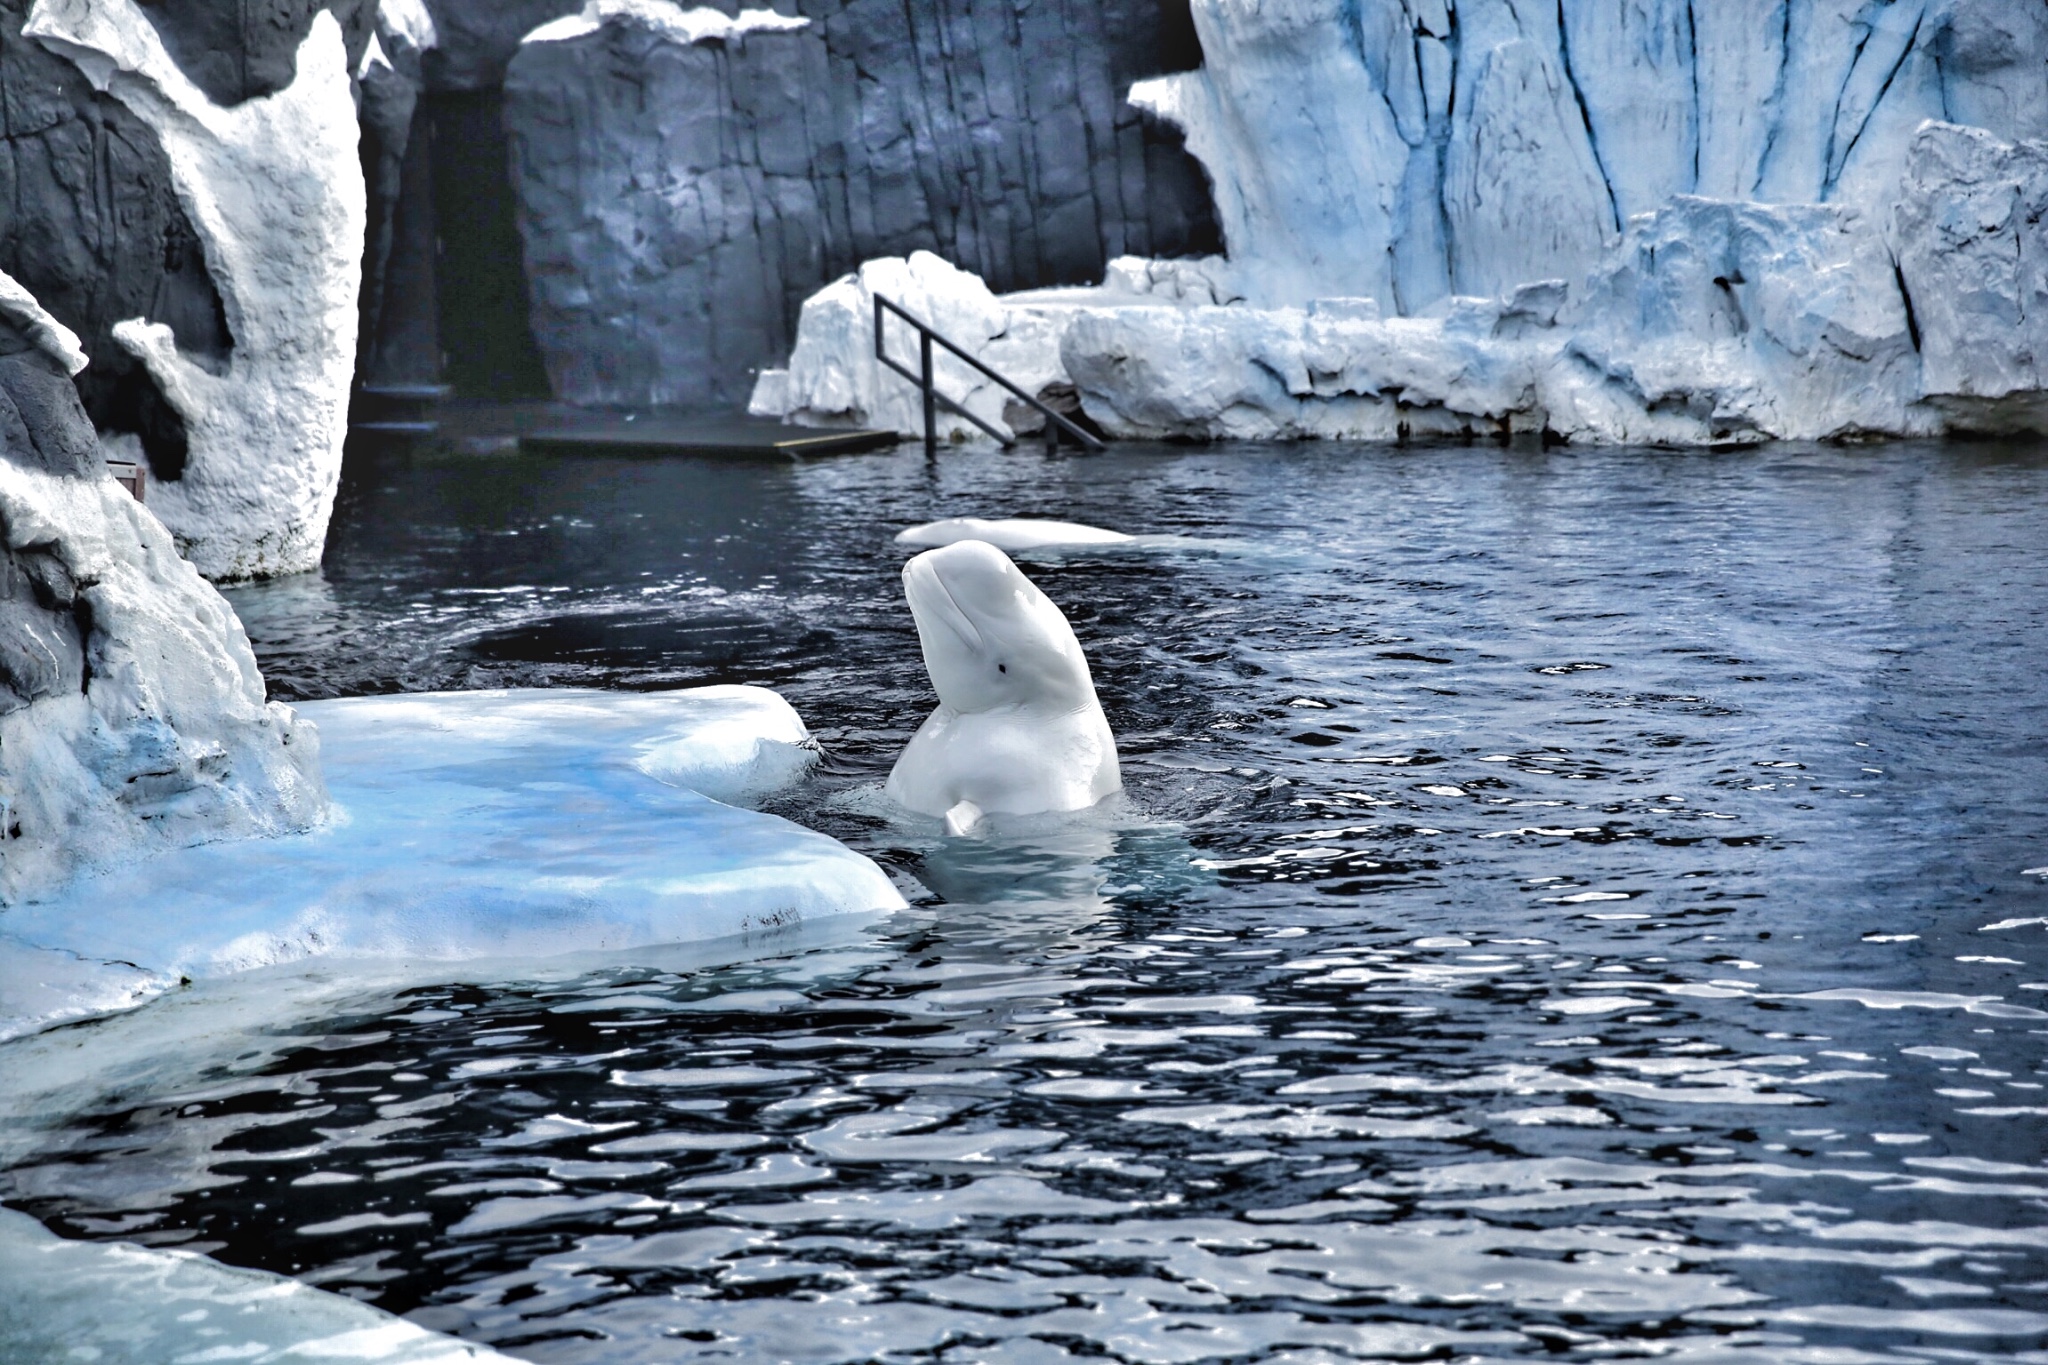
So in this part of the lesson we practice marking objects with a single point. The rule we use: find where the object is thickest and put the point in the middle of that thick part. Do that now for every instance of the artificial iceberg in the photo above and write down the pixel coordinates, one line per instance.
(119, 1304)
(1805, 219)
(470, 828)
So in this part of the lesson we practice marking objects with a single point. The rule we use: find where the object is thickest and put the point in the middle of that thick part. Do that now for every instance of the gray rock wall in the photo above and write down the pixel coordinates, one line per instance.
(680, 199)
(89, 220)
(90, 224)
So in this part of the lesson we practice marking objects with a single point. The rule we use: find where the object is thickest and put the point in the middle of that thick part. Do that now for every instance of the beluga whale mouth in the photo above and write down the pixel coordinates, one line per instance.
(1018, 729)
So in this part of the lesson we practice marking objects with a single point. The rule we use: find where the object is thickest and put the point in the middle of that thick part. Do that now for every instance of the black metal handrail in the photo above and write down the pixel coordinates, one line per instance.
(927, 384)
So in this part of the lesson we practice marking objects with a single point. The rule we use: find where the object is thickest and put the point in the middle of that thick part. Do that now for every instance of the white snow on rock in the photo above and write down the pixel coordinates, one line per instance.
(122, 1304)
(1708, 321)
(275, 190)
(56, 341)
(668, 19)
(1388, 149)
(834, 379)
(409, 22)
(132, 719)
(482, 827)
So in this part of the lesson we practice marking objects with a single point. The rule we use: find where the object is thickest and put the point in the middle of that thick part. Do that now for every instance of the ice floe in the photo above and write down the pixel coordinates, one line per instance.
(485, 827)
(120, 1304)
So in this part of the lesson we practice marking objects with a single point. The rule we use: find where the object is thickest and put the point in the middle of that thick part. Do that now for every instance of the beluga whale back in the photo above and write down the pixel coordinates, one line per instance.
(1018, 729)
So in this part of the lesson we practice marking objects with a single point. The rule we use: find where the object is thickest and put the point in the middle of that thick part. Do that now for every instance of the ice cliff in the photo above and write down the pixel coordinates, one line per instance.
(1602, 221)
(132, 717)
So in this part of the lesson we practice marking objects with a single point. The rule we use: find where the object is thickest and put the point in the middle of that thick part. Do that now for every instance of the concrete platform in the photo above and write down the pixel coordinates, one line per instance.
(425, 414)
(658, 434)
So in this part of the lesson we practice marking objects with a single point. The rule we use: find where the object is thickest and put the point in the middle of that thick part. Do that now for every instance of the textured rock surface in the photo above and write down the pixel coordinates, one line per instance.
(90, 223)
(388, 84)
(476, 39)
(680, 199)
(132, 717)
(1710, 322)
(274, 191)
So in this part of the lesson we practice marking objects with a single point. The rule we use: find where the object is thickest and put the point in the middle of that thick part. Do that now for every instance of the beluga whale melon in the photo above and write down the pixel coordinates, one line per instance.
(1018, 729)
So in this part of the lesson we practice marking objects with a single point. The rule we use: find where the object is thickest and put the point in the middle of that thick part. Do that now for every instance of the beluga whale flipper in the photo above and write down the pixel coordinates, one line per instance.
(1018, 730)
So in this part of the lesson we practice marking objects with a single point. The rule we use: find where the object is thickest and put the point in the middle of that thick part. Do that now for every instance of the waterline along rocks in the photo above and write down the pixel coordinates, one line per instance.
(1654, 225)
(132, 716)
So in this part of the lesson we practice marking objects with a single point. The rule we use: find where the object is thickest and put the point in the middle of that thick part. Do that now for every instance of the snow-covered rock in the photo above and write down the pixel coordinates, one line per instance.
(1287, 373)
(274, 189)
(124, 1305)
(834, 379)
(1715, 322)
(472, 830)
(1414, 149)
(132, 717)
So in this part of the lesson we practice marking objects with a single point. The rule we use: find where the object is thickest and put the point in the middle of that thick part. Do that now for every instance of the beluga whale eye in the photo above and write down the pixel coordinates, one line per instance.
(1002, 668)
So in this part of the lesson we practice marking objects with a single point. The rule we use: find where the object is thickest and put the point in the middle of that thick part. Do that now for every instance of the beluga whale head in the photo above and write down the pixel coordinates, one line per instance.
(1018, 729)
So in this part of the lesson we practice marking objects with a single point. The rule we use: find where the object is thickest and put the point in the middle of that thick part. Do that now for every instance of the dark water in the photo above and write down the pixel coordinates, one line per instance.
(1570, 905)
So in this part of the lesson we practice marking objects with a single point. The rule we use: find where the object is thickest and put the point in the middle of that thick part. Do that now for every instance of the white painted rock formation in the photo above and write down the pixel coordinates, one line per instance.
(834, 379)
(1601, 222)
(132, 717)
(275, 191)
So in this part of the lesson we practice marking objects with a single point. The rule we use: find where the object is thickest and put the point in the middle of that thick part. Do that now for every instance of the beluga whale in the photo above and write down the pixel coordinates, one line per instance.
(1018, 729)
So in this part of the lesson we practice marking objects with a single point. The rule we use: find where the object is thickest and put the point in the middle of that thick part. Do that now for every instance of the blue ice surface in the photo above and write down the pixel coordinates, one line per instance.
(120, 1304)
(473, 826)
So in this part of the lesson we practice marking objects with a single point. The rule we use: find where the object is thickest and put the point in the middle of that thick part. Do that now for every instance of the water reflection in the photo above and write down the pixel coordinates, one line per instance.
(1565, 905)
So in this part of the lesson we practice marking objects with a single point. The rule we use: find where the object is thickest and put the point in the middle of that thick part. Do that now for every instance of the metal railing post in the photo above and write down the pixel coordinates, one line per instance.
(931, 394)
(1056, 425)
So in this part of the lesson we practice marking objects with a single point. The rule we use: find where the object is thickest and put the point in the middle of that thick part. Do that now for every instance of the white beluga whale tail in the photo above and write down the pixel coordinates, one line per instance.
(1010, 533)
(1018, 730)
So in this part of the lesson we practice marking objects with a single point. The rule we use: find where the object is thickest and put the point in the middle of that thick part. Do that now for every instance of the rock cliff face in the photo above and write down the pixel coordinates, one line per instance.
(90, 222)
(686, 179)
(132, 717)
(274, 192)
(112, 211)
